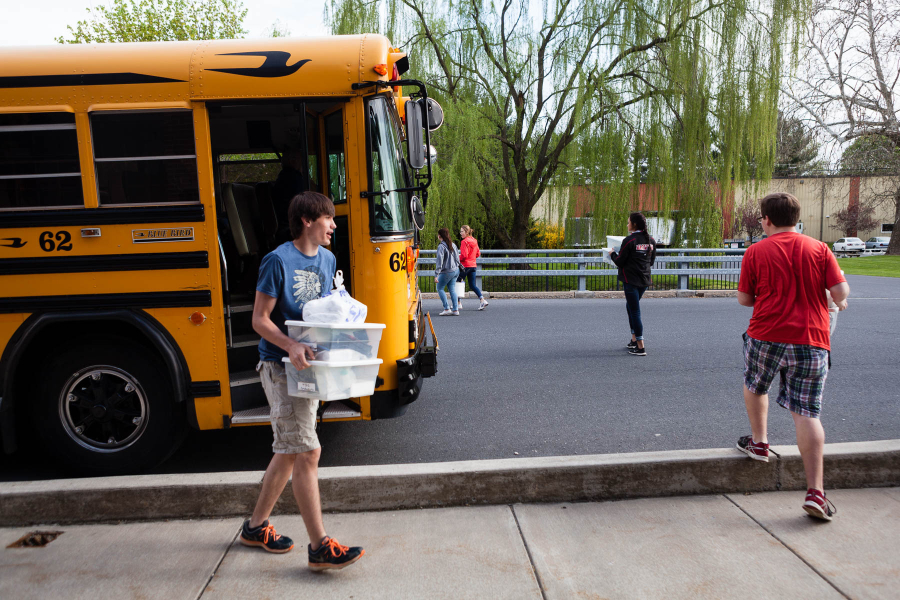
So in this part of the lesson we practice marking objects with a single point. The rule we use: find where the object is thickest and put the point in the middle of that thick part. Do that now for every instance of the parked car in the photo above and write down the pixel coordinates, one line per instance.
(877, 243)
(850, 244)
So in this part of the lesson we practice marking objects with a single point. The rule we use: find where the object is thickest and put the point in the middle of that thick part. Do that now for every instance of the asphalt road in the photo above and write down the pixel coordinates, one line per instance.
(552, 377)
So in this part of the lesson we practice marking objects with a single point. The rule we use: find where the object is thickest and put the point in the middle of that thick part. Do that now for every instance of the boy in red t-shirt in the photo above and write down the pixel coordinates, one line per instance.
(784, 278)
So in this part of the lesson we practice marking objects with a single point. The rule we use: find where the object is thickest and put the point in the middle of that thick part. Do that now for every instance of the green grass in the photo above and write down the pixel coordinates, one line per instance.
(879, 266)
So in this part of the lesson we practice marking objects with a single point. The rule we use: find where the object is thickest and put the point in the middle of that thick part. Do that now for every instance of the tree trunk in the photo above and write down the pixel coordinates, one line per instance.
(894, 245)
(519, 232)
(521, 208)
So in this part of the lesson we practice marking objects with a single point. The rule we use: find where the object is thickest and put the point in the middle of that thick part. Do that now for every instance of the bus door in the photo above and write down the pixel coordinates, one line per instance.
(265, 153)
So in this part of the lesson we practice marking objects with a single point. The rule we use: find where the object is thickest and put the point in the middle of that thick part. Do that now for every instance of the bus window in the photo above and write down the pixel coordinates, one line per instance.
(39, 161)
(145, 157)
(249, 168)
(388, 171)
(334, 149)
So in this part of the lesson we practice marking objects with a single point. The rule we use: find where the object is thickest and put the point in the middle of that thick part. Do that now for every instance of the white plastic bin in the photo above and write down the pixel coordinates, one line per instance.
(338, 341)
(334, 380)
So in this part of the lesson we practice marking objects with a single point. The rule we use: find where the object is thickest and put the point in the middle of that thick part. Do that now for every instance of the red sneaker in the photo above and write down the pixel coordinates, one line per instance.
(756, 451)
(818, 506)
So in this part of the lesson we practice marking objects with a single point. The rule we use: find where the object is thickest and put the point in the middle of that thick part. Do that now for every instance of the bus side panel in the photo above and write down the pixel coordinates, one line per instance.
(211, 360)
(381, 281)
(51, 263)
(204, 354)
(384, 291)
(355, 163)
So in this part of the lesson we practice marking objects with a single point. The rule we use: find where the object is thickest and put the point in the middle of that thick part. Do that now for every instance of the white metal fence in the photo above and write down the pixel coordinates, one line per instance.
(587, 269)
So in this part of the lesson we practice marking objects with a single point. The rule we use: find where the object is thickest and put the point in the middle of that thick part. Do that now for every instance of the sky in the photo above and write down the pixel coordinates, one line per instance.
(38, 22)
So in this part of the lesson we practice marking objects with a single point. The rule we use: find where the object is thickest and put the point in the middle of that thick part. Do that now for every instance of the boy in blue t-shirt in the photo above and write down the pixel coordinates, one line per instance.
(289, 277)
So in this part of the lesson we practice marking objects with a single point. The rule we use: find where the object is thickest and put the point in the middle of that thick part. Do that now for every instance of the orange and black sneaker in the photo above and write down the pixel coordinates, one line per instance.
(265, 537)
(331, 555)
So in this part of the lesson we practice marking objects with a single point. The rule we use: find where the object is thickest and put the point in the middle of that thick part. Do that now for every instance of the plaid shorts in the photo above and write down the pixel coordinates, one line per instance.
(803, 370)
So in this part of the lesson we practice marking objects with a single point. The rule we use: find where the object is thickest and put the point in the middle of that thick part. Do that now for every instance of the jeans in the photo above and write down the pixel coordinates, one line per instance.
(633, 295)
(443, 280)
(470, 277)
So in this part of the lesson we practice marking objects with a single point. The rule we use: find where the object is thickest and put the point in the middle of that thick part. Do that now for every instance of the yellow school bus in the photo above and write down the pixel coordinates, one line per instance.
(139, 189)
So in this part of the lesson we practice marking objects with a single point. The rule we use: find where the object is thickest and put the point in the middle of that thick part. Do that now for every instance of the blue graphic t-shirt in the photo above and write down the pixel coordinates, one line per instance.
(294, 279)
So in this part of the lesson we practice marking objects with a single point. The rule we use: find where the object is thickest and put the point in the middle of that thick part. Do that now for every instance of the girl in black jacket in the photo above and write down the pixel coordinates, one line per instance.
(634, 259)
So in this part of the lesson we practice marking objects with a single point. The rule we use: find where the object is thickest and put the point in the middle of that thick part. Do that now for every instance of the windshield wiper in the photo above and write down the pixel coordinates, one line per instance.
(385, 192)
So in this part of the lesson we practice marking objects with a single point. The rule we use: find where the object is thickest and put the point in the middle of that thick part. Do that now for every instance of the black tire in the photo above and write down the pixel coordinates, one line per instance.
(101, 386)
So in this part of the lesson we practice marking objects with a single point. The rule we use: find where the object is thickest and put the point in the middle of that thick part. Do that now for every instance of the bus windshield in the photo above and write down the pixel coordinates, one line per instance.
(388, 170)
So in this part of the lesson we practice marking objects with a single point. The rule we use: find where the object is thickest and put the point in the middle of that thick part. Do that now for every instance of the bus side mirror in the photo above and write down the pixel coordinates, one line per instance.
(415, 146)
(435, 115)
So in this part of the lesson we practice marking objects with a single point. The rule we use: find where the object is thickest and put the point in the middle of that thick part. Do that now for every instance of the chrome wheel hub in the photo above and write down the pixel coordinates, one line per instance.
(103, 408)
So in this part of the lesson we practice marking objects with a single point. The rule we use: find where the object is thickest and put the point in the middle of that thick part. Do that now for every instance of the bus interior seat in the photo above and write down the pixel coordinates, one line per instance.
(239, 199)
(223, 226)
(267, 213)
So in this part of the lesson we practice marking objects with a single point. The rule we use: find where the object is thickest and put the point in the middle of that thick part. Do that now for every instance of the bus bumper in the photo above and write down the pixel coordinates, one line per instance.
(410, 373)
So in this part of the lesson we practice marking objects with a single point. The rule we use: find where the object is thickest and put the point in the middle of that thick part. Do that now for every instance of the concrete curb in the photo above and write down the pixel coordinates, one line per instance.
(594, 295)
(503, 481)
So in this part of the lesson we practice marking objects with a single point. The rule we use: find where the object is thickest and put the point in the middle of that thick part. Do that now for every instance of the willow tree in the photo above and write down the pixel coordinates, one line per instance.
(592, 96)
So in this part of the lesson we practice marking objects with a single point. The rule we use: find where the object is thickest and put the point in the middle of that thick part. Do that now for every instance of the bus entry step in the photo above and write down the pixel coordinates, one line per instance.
(335, 410)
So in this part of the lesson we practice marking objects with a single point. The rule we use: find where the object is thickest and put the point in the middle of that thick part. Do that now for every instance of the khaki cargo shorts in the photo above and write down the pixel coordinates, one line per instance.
(293, 419)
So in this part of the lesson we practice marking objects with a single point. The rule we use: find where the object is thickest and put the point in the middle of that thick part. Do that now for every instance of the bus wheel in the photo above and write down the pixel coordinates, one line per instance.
(106, 407)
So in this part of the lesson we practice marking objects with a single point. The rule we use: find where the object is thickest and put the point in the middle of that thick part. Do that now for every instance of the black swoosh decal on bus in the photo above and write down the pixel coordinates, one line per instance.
(15, 242)
(275, 64)
(158, 261)
(34, 81)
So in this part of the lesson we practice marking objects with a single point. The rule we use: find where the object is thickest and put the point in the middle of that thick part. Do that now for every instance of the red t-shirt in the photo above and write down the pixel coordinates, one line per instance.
(468, 252)
(788, 274)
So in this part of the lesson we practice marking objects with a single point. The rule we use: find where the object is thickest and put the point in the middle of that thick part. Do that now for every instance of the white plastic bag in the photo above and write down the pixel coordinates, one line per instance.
(832, 318)
(460, 289)
(337, 307)
(833, 311)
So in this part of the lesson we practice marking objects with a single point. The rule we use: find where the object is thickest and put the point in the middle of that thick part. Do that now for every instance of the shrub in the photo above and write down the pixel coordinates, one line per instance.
(545, 236)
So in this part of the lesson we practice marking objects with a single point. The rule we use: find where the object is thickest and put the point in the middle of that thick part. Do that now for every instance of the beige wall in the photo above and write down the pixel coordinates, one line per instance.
(819, 197)
(822, 196)
(551, 208)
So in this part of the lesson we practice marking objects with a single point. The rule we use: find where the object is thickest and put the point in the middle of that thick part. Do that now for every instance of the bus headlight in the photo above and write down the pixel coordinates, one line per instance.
(414, 327)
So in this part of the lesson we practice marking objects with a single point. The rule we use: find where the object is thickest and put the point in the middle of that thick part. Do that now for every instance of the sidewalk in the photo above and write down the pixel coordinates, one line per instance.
(758, 545)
